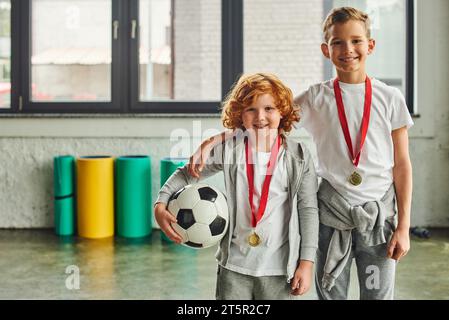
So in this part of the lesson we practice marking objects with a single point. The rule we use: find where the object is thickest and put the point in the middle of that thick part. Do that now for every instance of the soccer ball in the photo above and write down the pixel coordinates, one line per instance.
(202, 215)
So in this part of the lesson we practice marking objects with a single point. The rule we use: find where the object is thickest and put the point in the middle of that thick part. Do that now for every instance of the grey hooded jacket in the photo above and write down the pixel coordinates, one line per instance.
(369, 219)
(302, 196)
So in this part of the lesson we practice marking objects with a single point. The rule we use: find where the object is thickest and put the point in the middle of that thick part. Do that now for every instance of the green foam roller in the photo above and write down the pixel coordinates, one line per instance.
(64, 203)
(168, 166)
(64, 175)
(65, 217)
(133, 196)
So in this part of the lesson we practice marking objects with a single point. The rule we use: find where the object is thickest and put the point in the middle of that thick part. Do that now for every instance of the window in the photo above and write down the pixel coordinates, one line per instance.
(284, 38)
(176, 51)
(70, 56)
(176, 56)
(179, 54)
(71, 50)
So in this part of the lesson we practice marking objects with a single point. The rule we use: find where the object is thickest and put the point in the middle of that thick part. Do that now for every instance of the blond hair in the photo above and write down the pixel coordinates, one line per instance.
(342, 15)
(251, 86)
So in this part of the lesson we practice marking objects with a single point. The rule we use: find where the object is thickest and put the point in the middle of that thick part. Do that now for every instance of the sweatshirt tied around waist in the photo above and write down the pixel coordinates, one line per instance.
(368, 219)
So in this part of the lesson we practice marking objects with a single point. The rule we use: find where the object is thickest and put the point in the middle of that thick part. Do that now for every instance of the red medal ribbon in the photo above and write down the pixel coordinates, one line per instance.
(255, 218)
(344, 123)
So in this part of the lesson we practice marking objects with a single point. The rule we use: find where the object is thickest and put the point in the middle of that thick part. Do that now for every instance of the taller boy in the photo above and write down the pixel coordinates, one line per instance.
(359, 126)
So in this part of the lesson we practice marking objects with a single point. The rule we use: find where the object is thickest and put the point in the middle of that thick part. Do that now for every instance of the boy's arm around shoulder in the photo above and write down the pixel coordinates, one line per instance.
(180, 178)
(307, 205)
(199, 158)
(305, 98)
(305, 102)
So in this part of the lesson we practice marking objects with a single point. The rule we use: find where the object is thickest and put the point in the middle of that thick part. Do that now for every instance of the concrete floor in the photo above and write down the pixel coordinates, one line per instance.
(33, 266)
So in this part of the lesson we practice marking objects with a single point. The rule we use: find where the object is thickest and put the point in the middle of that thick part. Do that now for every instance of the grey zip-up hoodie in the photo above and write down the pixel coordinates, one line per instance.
(302, 196)
(369, 219)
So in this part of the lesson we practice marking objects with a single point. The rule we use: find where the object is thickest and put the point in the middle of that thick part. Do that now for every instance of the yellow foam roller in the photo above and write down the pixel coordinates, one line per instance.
(95, 196)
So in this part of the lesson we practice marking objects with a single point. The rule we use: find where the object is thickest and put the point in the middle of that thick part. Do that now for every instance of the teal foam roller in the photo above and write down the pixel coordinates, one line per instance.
(64, 175)
(168, 166)
(64, 198)
(133, 196)
(65, 216)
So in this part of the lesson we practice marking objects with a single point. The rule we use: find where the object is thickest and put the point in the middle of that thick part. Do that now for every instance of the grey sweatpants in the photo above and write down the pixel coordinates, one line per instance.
(236, 286)
(375, 271)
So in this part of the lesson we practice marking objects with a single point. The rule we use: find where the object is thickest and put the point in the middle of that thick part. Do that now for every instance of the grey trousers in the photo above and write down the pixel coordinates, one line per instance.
(376, 272)
(236, 286)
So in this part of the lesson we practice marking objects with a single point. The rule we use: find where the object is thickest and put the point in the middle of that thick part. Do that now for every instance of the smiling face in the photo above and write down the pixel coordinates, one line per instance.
(262, 116)
(348, 47)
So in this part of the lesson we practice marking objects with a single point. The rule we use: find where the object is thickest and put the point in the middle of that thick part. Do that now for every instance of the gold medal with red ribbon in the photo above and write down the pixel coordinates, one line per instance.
(355, 178)
(254, 239)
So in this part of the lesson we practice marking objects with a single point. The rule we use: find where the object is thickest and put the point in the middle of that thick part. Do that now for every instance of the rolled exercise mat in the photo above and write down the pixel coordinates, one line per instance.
(168, 166)
(95, 196)
(133, 196)
(63, 186)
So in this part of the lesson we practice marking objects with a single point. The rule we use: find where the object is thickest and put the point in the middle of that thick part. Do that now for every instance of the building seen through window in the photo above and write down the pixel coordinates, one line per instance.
(179, 49)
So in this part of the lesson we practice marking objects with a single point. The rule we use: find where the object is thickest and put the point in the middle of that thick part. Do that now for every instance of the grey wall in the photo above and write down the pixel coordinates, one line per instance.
(27, 145)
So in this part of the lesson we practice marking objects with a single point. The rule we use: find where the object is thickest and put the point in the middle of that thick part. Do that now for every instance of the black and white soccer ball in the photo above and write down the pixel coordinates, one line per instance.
(202, 215)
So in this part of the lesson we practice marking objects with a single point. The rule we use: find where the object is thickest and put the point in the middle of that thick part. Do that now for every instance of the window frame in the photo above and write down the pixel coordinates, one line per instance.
(28, 106)
(231, 50)
(124, 70)
(410, 56)
(15, 57)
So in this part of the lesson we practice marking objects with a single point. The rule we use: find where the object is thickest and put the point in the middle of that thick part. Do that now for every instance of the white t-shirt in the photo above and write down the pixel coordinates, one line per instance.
(319, 116)
(270, 257)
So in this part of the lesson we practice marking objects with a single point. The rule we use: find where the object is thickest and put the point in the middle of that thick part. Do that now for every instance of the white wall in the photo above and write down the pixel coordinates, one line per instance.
(27, 145)
(429, 146)
(283, 37)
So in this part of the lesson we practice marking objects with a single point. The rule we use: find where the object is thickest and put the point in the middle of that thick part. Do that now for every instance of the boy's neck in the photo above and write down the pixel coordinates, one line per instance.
(351, 77)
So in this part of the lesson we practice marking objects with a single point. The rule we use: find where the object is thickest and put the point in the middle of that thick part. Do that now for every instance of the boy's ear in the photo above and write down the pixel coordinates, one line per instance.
(325, 50)
(371, 45)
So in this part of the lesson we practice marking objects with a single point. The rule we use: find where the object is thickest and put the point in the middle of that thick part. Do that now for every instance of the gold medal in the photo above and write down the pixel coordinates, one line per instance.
(254, 240)
(355, 179)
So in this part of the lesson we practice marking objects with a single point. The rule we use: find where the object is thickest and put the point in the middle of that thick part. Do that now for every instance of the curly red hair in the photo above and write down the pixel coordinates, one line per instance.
(247, 89)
